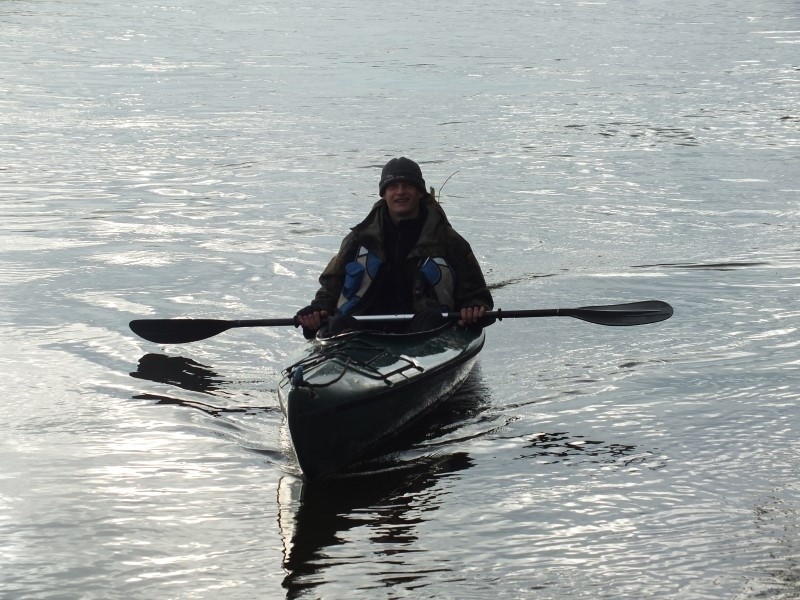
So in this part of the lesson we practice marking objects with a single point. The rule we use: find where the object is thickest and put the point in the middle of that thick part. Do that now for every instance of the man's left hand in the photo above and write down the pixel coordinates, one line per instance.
(471, 315)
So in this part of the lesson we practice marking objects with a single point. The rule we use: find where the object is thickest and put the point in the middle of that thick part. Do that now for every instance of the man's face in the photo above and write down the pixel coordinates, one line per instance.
(402, 200)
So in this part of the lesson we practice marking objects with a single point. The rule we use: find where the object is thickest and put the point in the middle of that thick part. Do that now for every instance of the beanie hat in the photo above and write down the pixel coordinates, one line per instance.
(401, 169)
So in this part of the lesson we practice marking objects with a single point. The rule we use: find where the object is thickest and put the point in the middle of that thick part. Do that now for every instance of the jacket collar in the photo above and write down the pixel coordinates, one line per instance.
(372, 225)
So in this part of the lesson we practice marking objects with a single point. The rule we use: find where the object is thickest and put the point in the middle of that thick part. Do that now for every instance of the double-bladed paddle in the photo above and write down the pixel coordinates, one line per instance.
(181, 331)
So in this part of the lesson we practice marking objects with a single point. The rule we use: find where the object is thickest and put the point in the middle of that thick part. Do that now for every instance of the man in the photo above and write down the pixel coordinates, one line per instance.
(403, 258)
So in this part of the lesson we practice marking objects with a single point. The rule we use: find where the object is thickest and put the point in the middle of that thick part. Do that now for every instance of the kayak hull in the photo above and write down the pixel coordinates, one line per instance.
(349, 393)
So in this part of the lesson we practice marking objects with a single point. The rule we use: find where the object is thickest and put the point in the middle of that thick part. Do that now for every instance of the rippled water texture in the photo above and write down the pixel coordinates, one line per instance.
(205, 159)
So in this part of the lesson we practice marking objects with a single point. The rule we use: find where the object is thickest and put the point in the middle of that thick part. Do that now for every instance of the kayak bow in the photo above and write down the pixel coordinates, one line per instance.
(351, 392)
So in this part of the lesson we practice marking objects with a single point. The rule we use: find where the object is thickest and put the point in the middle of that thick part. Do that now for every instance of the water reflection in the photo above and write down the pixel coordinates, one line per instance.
(562, 447)
(715, 266)
(192, 376)
(209, 409)
(383, 492)
(782, 580)
(179, 371)
(313, 516)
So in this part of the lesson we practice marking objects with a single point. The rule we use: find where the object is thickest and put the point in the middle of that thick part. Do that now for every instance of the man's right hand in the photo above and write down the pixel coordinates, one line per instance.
(310, 319)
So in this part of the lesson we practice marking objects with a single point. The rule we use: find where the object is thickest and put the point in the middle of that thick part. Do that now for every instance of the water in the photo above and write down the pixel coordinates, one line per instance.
(188, 159)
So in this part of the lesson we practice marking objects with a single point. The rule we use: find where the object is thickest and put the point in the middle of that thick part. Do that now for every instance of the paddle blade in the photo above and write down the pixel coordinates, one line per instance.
(634, 313)
(178, 331)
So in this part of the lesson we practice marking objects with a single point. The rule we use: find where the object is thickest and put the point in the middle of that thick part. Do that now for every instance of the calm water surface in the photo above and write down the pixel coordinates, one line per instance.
(179, 158)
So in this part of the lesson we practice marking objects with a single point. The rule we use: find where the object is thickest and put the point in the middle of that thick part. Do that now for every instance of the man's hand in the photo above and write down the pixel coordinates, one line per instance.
(471, 315)
(310, 319)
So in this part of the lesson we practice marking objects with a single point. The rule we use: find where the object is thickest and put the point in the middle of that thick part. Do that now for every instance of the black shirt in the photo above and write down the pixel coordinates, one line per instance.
(395, 285)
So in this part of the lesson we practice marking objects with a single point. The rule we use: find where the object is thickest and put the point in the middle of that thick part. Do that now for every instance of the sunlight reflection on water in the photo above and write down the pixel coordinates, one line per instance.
(206, 161)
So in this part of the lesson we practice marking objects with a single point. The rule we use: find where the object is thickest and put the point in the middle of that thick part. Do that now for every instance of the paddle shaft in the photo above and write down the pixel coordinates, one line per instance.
(179, 331)
(633, 313)
(495, 314)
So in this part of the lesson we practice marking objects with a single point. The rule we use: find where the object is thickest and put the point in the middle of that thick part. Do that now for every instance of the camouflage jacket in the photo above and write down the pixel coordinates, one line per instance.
(437, 239)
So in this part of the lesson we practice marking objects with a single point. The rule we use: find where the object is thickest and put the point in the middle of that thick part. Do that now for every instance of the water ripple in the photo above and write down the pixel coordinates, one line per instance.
(206, 160)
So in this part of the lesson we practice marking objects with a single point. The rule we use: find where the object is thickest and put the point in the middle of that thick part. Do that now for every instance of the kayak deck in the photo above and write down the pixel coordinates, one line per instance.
(353, 391)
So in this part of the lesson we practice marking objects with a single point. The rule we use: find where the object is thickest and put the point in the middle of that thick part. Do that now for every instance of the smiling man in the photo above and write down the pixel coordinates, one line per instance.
(402, 187)
(403, 258)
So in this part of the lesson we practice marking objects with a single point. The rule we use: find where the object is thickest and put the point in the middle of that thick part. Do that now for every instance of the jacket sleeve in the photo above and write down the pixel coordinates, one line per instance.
(332, 278)
(471, 288)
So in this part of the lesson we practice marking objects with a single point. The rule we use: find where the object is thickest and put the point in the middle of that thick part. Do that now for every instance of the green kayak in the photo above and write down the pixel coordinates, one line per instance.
(350, 392)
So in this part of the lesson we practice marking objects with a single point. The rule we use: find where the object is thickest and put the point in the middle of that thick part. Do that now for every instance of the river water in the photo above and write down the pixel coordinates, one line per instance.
(184, 158)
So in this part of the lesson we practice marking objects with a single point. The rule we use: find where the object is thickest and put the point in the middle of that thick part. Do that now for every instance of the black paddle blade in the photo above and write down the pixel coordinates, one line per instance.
(178, 331)
(635, 313)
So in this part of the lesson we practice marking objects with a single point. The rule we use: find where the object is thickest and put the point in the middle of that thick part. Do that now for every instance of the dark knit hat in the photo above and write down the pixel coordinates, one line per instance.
(401, 169)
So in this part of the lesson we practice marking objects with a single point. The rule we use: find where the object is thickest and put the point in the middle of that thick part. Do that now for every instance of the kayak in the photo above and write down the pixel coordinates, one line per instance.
(350, 392)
